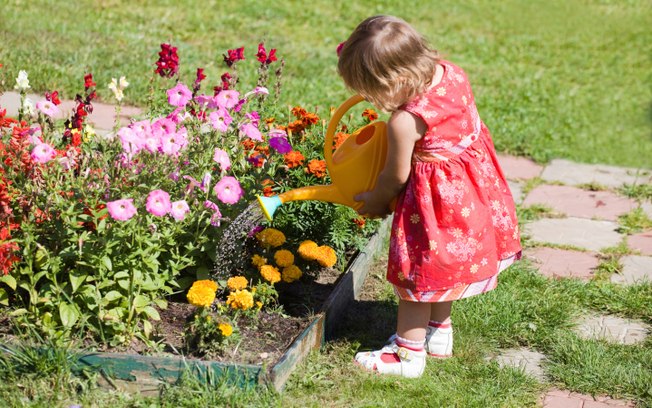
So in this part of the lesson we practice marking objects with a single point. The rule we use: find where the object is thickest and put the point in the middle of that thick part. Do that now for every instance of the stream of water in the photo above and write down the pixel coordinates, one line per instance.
(231, 254)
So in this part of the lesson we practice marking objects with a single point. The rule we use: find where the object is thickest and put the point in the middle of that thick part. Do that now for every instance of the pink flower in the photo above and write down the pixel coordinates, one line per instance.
(251, 131)
(121, 210)
(228, 190)
(222, 158)
(179, 209)
(47, 108)
(179, 95)
(259, 90)
(158, 203)
(164, 126)
(43, 153)
(172, 143)
(217, 215)
(131, 142)
(203, 186)
(220, 119)
(142, 128)
(227, 98)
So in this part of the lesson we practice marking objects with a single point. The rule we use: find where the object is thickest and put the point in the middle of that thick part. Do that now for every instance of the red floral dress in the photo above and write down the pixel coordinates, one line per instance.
(454, 226)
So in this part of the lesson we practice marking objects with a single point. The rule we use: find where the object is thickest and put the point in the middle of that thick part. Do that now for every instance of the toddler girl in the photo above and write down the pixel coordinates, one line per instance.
(454, 227)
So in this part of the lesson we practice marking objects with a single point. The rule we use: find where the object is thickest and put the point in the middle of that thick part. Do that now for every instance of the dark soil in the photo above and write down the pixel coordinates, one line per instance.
(265, 337)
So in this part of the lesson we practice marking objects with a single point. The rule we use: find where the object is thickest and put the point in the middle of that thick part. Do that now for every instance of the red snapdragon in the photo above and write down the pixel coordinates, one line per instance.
(168, 61)
(263, 57)
(234, 56)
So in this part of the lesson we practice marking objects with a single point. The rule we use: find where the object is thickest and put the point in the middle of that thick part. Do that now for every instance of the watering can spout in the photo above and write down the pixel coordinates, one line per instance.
(328, 193)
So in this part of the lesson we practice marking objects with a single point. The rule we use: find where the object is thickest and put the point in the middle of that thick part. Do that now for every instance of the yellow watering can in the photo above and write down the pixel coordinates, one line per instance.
(353, 167)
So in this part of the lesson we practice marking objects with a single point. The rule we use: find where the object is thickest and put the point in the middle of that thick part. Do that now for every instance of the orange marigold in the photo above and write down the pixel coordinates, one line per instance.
(270, 273)
(283, 258)
(317, 168)
(370, 114)
(237, 283)
(240, 299)
(294, 158)
(291, 273)
(310, 119)
(360, 222)
(270, 237)
(340, 137)
(326, 256)
(298, 111)
(308, 250)
(296, 127)
(268, 192)
(258, 261)
(248, 144)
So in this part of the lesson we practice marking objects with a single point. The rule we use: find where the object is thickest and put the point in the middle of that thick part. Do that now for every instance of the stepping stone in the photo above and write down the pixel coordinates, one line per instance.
(612, 328)
(562, 263)
(522, 358)
(641, 242)
(578, 232)
(576, 202)
(565, 399)
(572, 173)
(636, 269)
(519, 168)
(517, 191)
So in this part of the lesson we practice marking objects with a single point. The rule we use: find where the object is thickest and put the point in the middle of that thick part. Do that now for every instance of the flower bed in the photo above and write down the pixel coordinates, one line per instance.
(100, 235)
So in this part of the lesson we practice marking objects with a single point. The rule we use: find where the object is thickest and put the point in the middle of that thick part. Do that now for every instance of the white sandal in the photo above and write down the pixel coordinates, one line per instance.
(439, 341)
(407, 363)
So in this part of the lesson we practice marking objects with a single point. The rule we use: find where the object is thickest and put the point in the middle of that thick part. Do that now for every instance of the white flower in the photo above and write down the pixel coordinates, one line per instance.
(117, 87)
(28, 107)
(22, 83)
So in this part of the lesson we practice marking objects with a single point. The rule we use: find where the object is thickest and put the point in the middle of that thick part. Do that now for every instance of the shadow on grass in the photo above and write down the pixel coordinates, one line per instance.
(368, 322)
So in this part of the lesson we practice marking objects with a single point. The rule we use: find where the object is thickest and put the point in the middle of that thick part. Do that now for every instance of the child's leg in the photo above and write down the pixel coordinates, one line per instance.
(440, 311)
(412, 320)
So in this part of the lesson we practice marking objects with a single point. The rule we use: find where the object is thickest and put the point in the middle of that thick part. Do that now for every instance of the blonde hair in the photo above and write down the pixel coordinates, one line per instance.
(387, 62)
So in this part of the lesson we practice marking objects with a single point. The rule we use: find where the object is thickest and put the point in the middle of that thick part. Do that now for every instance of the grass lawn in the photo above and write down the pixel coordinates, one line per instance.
(558, 78)
(568, 79)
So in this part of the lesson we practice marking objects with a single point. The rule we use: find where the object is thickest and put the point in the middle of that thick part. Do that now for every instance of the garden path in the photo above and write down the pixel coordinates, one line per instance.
(585, 201)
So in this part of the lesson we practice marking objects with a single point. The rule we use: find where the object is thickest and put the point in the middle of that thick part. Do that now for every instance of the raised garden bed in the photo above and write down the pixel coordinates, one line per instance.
(145, 373)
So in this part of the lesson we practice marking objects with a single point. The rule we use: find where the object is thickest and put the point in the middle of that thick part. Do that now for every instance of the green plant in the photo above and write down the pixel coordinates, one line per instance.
(634, 221)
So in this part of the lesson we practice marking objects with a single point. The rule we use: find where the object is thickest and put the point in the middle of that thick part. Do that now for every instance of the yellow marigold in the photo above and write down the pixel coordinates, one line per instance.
(283, 258)
(237, 283)
(326, 256)
(240, 299)
(271, 237)
(226, 329)
(291, 273)
(200, 295)
(212, 285)
(258, 261)
(308, 250)
(270, 273)
(259, 305)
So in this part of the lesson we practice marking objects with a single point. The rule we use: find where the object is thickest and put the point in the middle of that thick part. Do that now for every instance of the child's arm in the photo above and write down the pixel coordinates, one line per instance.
(403, 131)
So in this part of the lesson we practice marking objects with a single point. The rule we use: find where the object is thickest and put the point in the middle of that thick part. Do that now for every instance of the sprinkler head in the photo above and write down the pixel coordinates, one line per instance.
(269, 205)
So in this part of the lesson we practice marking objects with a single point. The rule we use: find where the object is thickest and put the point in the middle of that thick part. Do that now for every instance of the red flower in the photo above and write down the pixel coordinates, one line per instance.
(256, 159)
(360, 222)
(88, 81)
(262, 56)
(200, 77)
(234, 56)
(370, 114)
(168, 61)
(53, 97)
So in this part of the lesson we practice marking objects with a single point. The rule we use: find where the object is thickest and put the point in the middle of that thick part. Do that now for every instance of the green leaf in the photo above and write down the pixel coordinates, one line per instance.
(147, 328)
(112, 295)
(76, 280)
(121, 275)
(106, 261)
(124, 284)
(151, 313)
(9, 281)
(4, 297)
(68, 315)
(161, 303)
(140, 302)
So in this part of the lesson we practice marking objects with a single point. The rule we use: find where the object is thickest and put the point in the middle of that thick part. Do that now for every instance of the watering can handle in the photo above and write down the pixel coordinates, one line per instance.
(332, 126)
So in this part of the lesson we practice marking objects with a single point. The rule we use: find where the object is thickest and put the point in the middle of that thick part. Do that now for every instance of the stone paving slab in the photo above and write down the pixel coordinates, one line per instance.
(519, 168)
(571, 173)
(525, 359)
(612, 328)
(636, 269)
(641, 242)
(102, 118)
(517, 191)
(577, 202)
(565, 399)
(578, 232)
(562, 263)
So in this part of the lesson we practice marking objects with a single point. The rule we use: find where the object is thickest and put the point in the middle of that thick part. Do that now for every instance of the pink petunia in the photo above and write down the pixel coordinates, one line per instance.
(158, 203)
(259, 90)
(179, 95)
(131, 141)
(173, 143)
(227, 98)
(217, 215)
(142, 128)
(220, 119)
(222, 158)
(179, 209)
(251, 131)
(228, 190)
(43, 153)
(121, 210)
(164, 126)
(47, 108)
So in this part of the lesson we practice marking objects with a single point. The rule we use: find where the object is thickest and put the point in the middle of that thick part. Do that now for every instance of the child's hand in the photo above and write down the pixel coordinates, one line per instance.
(372, 207)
